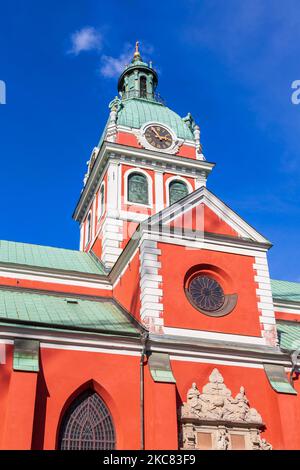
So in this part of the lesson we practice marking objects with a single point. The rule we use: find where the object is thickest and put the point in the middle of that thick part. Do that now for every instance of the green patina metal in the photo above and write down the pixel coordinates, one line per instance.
(136, 112)
(177, 190)
(288, 335)
(56, 311)
(140, 104)
(160, 368)
(278, 379)
(26, 355)
(285, 290)
(138, 188)
(48, 257)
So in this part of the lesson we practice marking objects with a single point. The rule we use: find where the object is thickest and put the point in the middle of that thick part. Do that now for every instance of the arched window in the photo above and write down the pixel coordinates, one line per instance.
(88, 229)
(143, 87)
(137, 191)
(177, 190)
(101, 202)
(87, 425)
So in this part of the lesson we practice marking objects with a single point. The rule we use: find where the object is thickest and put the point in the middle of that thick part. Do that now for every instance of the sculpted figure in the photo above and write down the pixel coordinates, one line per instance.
(253, 416)
(222, 440)
(193, 395)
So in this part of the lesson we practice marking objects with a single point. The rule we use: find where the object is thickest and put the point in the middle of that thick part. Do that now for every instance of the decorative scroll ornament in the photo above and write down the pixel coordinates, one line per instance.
(216, 406)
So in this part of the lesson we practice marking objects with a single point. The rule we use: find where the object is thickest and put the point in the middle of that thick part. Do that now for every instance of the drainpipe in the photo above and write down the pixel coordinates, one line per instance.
(295, 368)
(144, 339)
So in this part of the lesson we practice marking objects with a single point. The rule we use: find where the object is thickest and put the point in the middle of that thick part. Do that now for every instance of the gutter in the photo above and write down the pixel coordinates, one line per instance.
(144, 340)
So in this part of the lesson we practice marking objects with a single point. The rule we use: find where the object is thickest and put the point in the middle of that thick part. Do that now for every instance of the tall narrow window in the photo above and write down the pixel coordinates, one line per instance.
(137, 188)
(88, 229)
(87, 425)
(177, 190)
(143, 87)
(101, 202)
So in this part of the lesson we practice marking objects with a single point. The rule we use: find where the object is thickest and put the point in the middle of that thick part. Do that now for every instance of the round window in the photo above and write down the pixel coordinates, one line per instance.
(206, 293)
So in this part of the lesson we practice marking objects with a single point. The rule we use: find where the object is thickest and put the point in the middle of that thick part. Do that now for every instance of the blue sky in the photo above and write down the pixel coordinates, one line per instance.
(230, 63)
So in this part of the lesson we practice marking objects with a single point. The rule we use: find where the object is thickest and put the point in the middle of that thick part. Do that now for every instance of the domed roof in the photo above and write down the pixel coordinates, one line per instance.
(135, 112)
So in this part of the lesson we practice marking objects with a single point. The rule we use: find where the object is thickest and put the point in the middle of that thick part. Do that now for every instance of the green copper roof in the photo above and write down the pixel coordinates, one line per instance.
(26, 355)
(48, 257)
(284, 290)
(68, 312)
(289, 335)
(136, 112)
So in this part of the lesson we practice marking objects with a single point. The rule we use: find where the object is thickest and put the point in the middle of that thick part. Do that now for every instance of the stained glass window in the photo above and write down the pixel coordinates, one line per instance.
(87, 425)
(138, 188)
(206, 293)
(177, 190)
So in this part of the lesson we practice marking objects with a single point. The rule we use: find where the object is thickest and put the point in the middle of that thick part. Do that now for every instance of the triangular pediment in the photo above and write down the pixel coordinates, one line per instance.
(202, 212)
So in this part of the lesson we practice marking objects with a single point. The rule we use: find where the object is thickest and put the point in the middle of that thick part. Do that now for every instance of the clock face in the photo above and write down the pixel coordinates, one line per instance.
(158, 137)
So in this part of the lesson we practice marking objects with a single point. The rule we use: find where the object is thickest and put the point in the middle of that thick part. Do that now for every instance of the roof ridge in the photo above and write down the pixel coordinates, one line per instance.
(39, 245)
(289, 282)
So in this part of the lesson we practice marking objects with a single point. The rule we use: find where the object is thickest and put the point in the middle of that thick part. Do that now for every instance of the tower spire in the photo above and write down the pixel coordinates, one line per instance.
(138, 79)
(137, 55)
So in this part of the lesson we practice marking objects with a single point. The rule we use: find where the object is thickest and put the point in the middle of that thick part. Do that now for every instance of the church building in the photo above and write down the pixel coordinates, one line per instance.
(164, 330)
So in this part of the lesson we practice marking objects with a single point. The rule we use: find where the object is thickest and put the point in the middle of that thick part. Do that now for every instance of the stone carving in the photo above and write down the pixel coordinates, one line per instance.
(215, 410)
(216, 403)
(189, 438)
(222, 439)
(111, 131)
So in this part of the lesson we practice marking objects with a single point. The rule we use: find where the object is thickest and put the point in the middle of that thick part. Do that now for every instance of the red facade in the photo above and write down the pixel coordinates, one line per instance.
(139, 336)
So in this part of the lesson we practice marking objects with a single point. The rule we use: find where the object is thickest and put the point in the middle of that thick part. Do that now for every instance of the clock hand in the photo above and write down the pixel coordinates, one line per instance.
(155, 132)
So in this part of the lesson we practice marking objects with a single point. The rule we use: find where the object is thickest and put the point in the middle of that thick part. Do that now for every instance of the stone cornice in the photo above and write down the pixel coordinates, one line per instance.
(125, 154)
(179, 345)
(53, 275)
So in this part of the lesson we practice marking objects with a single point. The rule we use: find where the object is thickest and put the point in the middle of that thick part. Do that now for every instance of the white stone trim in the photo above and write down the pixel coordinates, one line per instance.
(150, 187)
(159, 190)
(217, 361)
(81, 237)
(151, 286)
(201, 180)
(48, 277)
(112, 236)
(212, 335)
(265, 300)
(295, 310)
(139, 158)
(121, 352)
(202, 195)
(133, 216)
(76, 344)
(225, 246)
(176, 178)
(112, 189)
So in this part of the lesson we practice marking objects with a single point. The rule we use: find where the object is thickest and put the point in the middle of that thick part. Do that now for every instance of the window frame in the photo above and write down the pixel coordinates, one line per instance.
(126, 187)
(173, 179)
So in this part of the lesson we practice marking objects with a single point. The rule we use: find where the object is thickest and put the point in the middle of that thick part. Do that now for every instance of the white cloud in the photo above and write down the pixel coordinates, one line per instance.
(86, 39)
(113, 66)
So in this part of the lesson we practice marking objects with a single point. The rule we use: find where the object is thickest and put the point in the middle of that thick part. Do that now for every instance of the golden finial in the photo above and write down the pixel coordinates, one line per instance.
(137, 54)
